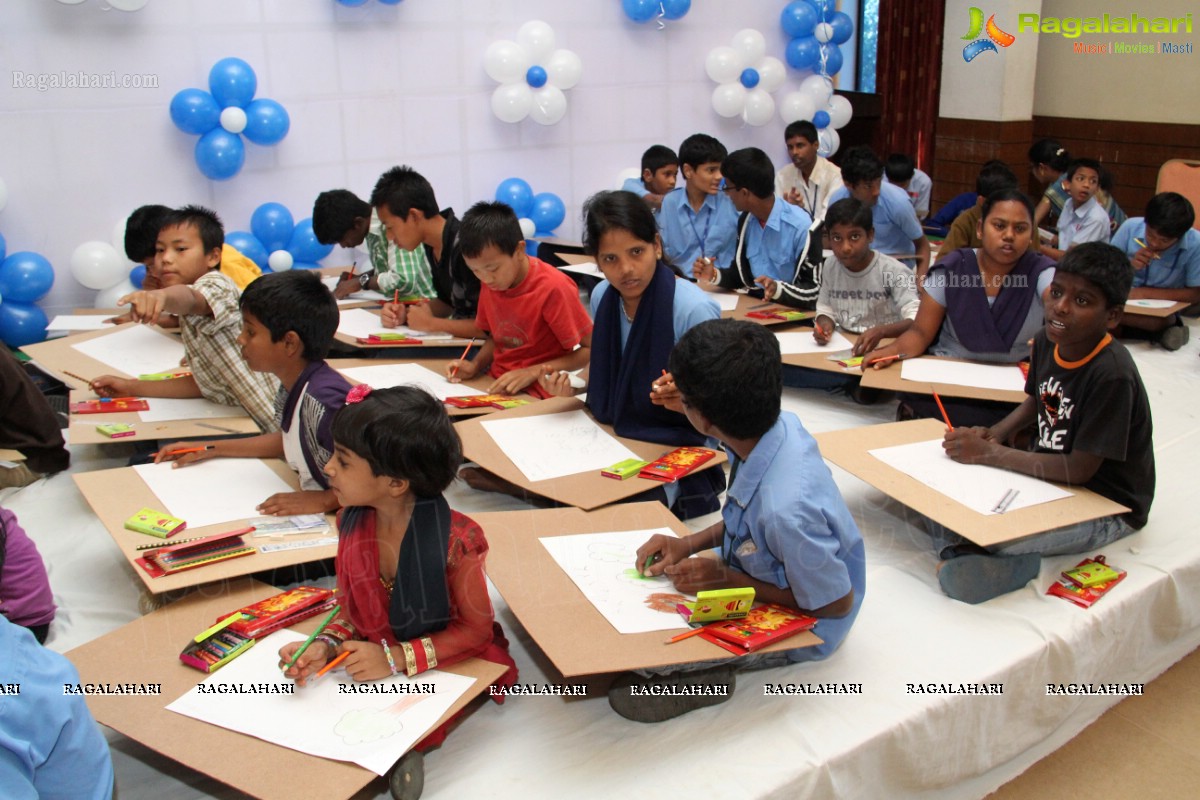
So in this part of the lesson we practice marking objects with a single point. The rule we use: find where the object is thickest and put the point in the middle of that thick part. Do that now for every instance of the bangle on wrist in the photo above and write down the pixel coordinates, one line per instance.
(387, 651)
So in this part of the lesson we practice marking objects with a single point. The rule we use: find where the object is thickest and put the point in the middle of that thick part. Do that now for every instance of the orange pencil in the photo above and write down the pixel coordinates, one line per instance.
(331, 665)
(687, 634)
(942, 408)
(466, 350)
(886, 359)
(187, 450)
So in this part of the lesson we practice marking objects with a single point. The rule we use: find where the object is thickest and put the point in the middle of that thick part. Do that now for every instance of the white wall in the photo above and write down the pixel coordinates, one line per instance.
(366, 88)
(996, 86)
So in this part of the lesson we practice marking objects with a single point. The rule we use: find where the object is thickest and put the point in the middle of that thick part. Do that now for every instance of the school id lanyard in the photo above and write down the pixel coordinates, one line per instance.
(707, 224)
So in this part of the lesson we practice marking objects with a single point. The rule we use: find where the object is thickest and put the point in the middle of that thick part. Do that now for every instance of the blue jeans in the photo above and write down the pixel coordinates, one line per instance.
(1081, 537)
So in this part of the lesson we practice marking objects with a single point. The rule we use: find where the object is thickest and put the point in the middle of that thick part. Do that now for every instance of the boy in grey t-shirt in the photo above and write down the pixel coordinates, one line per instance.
(862, 291)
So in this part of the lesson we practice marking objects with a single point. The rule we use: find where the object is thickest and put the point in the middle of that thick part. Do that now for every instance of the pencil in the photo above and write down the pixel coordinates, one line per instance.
(78, 378)
(187, 450)
(311, 636)
(466, 350)
(886, 359)
(680, 637)
(942, 408)
(331, 665)
(396, 298)
(1138, 242)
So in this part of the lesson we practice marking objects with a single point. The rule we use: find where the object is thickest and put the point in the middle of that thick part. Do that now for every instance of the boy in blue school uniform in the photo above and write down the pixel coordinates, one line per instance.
(790, 538)
(1083, 219)
(898, 232)
(1164, 250)
(660, 169)
(772, 236)
(697, 221)
(1093, 429)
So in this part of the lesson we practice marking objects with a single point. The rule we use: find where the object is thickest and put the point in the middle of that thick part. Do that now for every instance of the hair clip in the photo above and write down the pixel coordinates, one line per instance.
(357, 393)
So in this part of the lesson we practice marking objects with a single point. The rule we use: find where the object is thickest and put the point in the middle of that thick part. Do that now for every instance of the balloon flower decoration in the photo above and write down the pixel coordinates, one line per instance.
(119, 5)
(539, 214)
(646, 10)
(746, 78)
(225, 113)
(25, 278)
(356, 3)
(532, 75)
(276, 244)
(817, 32)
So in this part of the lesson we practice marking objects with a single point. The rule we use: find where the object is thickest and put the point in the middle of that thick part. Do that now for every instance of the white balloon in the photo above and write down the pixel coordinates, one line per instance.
(280, 261)
(528, 227)
(818, 89)
(70, 2)
(771, 73)
(537, 38)
(108, 297)
(564, 69)
(750, 45)
(840, 111)
(98, 265)
(797, 106)
(823, 32)
(128, 5)
(723, 64)
(3, 194)
(233, 119)
(511, 101)
(760, 107)
(549, 105)
(629, 173)
(828, 142)
(506, 61)
(729, 99)
(118, 236)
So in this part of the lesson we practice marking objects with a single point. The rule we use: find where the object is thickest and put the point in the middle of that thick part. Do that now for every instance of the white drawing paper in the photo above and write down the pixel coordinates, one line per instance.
(802, 342)
(212, 491)
(1002, 377)
(385, 376)
(372, 730)
(1151, 302)
(167, 409)
(553, 445)
(79, 322)
(369, 295)
(134, 350)
(602, 565)
(978, 487)
(589, 268)
(727, 302)
(360, 323)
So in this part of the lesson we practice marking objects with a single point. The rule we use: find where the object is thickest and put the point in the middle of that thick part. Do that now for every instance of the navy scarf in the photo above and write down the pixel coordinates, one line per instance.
(990, 329)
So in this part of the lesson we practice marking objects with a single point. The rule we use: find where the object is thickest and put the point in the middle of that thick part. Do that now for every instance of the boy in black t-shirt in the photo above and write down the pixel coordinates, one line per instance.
(1093, 428)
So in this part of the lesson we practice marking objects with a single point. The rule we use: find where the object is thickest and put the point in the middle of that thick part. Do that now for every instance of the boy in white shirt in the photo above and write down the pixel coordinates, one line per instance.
(1083, 219)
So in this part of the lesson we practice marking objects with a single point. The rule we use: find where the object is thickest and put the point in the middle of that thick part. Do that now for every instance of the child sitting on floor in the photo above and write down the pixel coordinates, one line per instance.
(1093, 429)
(530, 311)
(25, 596)
(206, 301)
(640, 310)
(288, 322)
(410, 572)
(793, 541)
(1164, 250)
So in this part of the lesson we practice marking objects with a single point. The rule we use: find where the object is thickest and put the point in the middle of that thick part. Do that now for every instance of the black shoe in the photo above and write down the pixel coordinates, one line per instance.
(664, 697)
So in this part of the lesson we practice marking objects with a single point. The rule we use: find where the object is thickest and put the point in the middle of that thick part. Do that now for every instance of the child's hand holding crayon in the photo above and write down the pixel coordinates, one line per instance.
(658, 553)
(823, 330)
(970, 445)
(347, 286)
(309, 663)
(703, 271)
(112, 386)
(420, 317)
(184, 453)
(395, 314)
(461, 370)
(663, 392)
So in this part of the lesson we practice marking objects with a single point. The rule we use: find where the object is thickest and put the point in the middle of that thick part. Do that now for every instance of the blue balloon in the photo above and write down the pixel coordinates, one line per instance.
(248, 245)
(220, 154)
(272, 224)
(304, 245)
(833, 58)
(22, 323)
(548, 212)
(798, 19)
(195, 111)
(305, 265)
(516, 193)
(749, 77)
(803, 52)
(3, 247)
(137, 275)
(640, 10)
(353, 3)
(674, 9)
(390, 2)
(843, 28)
(232, 82)
(25, 277)
(535, 76)
(821, 119)
(266, 122)
(823, 7)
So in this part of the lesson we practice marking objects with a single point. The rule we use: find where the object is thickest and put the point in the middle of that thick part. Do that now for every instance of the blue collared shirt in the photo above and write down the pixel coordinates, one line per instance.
(636, 186)
(786, 524)
(688, 235)
(896, 224)
(775, 249)
(1177, 267)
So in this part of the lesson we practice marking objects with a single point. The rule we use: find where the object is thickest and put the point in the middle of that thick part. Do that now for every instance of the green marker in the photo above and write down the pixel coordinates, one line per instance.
(312, 636)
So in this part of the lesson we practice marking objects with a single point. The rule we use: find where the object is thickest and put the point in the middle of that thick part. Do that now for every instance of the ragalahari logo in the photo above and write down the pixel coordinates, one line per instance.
(995, 36)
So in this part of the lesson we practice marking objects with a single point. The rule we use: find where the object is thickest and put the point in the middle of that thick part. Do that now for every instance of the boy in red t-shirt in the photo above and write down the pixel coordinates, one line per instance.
(529, 309)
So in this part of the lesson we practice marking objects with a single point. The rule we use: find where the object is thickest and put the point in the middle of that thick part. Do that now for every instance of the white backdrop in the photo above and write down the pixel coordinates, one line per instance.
(366, 88)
